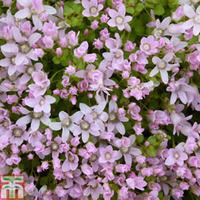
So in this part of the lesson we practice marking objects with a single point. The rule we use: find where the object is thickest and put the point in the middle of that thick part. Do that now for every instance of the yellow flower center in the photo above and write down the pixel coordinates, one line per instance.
(108, 156)
(119, 20)
(93, 10)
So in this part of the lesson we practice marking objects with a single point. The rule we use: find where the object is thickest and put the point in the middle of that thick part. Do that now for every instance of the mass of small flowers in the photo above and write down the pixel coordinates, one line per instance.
(91, 110)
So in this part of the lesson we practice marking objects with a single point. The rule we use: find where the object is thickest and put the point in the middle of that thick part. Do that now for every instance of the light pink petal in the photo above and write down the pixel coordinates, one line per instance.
(65, 166)
(85, 3)
(155, 60)
(65, 134)
(23, 120)
(128, 159)
(128, 18)
(86, 13)
(85, 109)
(81, 73)
(12, 69)
(121, 27)
(50, 99)
(173, 98)
(196, 29)
(122, 10)
(100, 7)
(34, 38)
(24, 3)
(99, 108)
(31, 102)
(56, 126)
(17, 35)
(198, 10)
(45, 120)
(164, 76)
(21, 59)
(188, 11)
(112, 13)
(50, 10)
(153, 72)
(188, 24)
(169, 161)
(63, 115)
(182, 97)
(35, 124)
(9, 49)
(4, 62)
(135, 151)
(104, 116)
(111, 23)
(112, 106)
(75, 129)
(165, 23)
(131, 183)
(22, 14)
(45, 108)
(77, 116)
(168, 57)
(85, 136)
(120, 128)
(37, 22)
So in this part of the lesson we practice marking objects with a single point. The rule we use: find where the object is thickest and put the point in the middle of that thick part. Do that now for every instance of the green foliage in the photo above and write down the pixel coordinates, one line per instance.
(72, 12)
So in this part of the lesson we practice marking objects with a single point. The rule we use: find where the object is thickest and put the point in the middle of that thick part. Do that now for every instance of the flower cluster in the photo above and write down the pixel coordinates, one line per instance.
(90, 113)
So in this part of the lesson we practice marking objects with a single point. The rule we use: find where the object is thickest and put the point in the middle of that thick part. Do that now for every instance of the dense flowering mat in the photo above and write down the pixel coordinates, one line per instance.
(99, 98)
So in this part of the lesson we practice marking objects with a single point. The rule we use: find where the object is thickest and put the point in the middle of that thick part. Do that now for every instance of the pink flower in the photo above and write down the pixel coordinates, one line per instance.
(14, 60)
(50, 29)
(108, 155)
(194, 19)
(72, 38)
(34, 118)
(176, 156)
(118, 18)
(87, 125)
(18, 134)
(180, 89)
(90, 58)
(162, 66)
(81, 50)
(94, 188)
(125, 144)
(149, 45)
(33, 9)
(136, 182)
(41, 83)
(161, 28)
(115, 119)
(70, 163)
(67, 124)
(40, 103)
(91, 8)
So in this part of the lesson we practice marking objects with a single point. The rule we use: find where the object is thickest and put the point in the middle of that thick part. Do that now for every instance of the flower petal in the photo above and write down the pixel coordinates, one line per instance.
(153, 72)
(22, 14)
(164, 76)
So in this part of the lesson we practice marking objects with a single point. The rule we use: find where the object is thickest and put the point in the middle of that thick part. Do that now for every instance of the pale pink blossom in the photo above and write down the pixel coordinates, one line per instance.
(119, 18)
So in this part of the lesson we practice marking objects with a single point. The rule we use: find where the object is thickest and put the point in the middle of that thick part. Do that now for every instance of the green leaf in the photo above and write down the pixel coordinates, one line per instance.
(139, 8)
(151, 151)
(159, 10)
